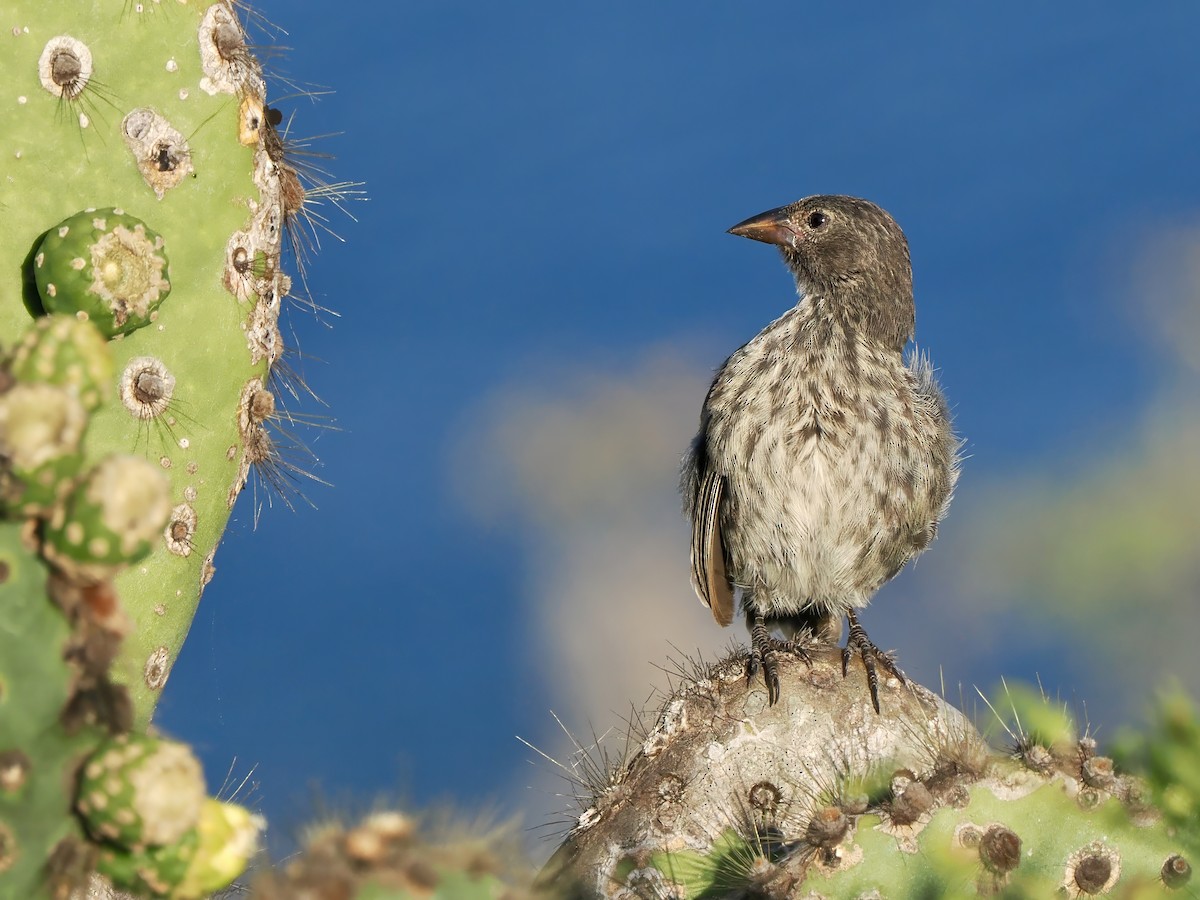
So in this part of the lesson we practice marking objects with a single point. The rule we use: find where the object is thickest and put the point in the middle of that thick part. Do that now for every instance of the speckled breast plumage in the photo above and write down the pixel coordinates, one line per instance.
(838, 460)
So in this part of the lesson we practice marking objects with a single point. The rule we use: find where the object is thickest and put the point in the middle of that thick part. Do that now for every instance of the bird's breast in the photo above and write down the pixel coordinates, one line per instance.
(790, 395)
(823, 457)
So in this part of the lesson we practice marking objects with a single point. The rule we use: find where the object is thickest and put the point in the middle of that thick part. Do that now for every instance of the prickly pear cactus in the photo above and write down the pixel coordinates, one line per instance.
(138, 190)
(144, 199)
(818, 796)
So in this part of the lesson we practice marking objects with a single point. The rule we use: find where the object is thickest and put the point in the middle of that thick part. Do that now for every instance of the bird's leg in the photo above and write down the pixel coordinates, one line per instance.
(858, 640)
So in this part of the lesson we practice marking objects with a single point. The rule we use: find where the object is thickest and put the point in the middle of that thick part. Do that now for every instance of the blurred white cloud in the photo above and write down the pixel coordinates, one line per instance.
(584, 462)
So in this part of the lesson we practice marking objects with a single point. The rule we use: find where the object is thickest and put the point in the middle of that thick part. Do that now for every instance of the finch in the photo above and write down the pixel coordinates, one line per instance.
(825, 456)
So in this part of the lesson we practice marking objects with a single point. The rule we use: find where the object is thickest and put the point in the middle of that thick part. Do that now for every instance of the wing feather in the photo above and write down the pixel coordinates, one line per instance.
(708, 551)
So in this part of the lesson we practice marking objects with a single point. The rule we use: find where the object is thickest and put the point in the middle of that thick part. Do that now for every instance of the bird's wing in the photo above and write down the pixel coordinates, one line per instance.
(708, 553)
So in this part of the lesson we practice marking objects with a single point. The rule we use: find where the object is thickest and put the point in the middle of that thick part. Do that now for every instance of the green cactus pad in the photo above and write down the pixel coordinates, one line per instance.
(157, 110)
(137, 790)
(113, 518)
(121, 412)
(104, 265)
(64, 351)
(41, 436)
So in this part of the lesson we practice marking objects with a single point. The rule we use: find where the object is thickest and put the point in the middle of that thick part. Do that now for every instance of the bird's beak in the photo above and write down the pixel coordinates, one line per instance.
(771, 227)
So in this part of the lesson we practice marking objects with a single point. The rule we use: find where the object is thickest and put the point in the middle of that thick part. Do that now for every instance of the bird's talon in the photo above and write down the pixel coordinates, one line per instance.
(764, 650)
(772, 678)
(870, 655)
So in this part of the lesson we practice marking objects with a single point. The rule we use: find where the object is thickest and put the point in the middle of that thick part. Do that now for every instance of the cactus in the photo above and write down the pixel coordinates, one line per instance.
(144, 205)
(109, 520)
(1169, 754)
(36, 747)
(820, 797)
(726, 796)
(65, 352)
(41, 434)
(144, 124)
(137, 791)
(204, 858)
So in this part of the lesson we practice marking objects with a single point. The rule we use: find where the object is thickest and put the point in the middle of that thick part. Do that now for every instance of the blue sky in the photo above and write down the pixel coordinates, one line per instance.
(549, 189)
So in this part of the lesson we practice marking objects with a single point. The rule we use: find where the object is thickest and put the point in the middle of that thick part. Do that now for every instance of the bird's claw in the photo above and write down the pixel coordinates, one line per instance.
(764, 653)
(768, 661)
(857, 641)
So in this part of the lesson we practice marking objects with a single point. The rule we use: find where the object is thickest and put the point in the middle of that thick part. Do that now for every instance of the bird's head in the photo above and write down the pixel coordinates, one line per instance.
(847, 251)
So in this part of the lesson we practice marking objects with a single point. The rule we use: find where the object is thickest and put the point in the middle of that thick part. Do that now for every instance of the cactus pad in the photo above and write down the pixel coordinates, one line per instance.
(136, 790)
(104, 265)
(111, 519)
(66, 352)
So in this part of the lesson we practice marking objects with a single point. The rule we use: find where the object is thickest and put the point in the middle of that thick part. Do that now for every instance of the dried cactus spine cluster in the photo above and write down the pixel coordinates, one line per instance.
(143, 204)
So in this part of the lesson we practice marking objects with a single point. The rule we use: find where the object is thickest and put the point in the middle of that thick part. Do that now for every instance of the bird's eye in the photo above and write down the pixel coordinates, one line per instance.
(817, 219)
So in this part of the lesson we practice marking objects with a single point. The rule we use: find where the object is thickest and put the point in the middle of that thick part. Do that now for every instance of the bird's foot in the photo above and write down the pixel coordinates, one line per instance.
(764, 654)
(857, 641)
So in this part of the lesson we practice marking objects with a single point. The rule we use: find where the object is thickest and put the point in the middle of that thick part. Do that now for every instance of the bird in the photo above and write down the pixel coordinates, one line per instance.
(825, 456)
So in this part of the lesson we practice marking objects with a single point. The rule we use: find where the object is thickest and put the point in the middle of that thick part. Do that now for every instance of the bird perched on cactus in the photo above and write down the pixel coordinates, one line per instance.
(825, 459)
